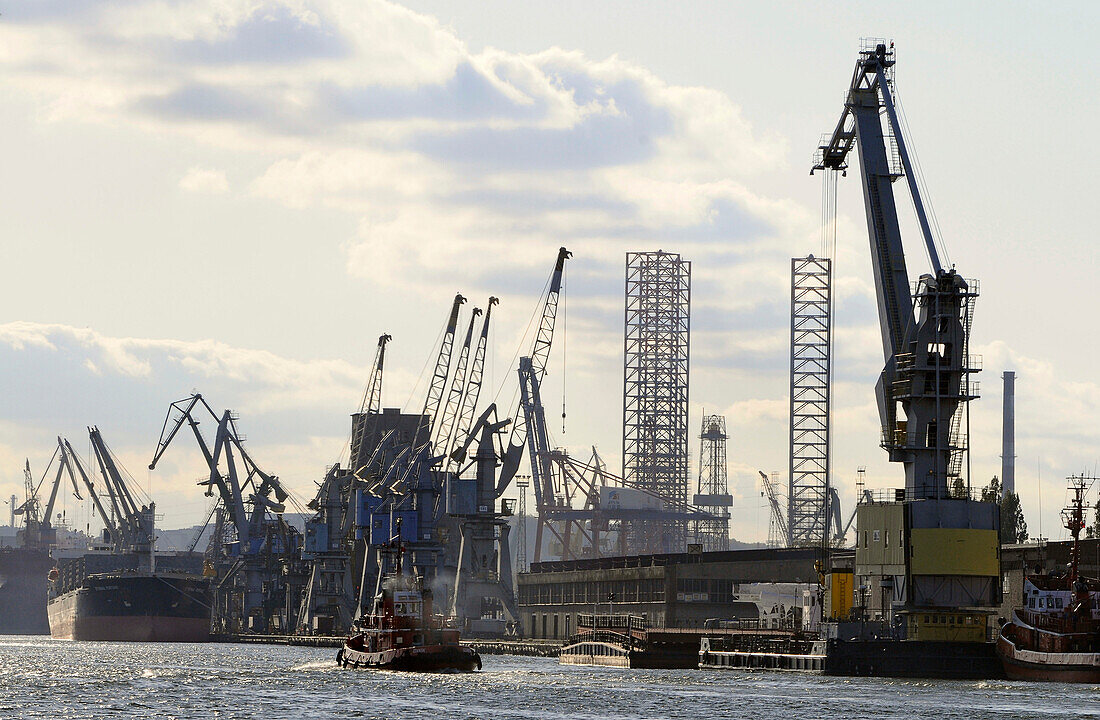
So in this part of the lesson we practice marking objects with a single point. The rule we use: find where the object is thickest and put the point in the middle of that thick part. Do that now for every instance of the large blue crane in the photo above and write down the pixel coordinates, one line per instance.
(926, 360)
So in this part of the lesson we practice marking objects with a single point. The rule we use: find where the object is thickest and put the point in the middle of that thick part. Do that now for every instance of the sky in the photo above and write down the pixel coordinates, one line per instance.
(237, 197)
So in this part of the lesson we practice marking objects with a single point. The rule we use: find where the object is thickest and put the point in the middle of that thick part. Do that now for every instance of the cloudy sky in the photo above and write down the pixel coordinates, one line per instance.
(238, 196)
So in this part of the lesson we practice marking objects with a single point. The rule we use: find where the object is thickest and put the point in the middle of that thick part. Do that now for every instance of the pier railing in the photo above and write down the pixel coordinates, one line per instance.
(611, 622)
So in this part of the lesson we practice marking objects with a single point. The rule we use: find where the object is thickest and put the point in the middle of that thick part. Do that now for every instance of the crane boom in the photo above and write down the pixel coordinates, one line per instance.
(47, 516)
(861, 121)
(442, 368)
(776, 506)
(72, 460)
(446, 427)
(372, 398)
(540, 352)
(473, 387)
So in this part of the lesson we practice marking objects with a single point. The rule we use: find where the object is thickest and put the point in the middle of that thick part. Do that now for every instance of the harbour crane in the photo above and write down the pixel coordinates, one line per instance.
(248, 494)
(483, 566)
(926, 360)
(135, 523)
(38, 530)
(924, 389)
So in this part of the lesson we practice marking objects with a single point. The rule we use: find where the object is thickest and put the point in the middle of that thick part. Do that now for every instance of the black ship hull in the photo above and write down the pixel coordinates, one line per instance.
(23, 587)
(134, 607)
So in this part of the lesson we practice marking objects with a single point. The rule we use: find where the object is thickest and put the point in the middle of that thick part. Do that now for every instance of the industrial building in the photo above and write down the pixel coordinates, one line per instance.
(668, 590)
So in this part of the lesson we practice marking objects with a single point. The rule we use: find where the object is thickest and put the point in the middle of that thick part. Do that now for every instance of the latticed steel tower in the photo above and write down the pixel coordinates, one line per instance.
(655, 392)
(713, 493)
(808, 488)
(521, 526)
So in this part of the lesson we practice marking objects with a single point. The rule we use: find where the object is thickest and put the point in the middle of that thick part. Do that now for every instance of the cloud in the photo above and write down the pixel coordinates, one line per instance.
(65, 365)
(382, 112)
(205, 180)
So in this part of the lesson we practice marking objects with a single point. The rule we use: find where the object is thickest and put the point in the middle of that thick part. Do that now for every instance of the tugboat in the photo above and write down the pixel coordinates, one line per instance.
(402, 633)
(1056, 635)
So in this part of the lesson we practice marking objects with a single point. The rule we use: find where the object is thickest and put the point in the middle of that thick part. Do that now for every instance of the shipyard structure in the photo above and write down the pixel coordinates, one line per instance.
(637, 555)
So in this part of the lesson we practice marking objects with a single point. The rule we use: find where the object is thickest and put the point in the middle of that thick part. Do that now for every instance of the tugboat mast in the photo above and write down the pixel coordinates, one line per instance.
(1073, 517)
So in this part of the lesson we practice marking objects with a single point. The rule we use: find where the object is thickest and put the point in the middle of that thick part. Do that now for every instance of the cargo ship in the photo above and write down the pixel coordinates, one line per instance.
(121, 588)
(1055, 635)
(402, 633)
(110, 597)
(23, 567)
(23, 591)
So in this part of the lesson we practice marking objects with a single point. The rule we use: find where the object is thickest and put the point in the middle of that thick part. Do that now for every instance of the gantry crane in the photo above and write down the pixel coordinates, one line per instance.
(927, 355)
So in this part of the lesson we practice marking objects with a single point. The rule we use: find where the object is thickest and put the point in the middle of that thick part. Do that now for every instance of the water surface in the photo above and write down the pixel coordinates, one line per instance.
(44, 678)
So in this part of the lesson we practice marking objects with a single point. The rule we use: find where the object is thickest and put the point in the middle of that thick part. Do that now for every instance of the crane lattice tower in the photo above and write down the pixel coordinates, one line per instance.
(655, 393)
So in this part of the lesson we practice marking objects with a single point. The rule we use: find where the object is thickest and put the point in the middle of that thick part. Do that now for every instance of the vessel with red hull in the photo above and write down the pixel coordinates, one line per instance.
(1055, 635)
(402, 633)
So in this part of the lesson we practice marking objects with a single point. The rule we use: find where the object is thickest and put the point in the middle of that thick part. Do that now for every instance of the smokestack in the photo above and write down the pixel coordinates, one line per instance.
(1008, 434)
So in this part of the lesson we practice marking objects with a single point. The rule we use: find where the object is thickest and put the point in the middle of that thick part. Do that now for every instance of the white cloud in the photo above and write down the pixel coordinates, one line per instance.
(205, 180)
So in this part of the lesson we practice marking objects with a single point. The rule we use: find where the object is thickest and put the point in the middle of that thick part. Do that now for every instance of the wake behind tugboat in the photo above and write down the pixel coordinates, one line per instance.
(402, 633)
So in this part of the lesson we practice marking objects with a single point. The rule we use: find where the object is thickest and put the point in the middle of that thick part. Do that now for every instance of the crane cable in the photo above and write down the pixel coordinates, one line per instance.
(937, 233)
(536, 312)
(564, 354)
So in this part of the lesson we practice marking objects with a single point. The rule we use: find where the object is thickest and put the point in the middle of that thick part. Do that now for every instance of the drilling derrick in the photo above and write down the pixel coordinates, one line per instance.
(808, 483)
(655, 391)
(713, 493)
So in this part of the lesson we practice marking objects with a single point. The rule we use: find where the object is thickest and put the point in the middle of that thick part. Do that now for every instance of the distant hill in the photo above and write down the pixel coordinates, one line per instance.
(181, 538)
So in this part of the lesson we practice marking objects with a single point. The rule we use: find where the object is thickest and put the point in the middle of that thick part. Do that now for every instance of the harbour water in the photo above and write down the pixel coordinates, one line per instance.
(44, 678)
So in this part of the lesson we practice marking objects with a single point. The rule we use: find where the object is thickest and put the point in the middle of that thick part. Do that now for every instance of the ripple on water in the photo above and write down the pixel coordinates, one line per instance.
(43, 678)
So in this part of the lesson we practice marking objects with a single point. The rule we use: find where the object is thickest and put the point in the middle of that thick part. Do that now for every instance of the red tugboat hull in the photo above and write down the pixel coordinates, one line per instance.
(1048, 667)
(424, 658)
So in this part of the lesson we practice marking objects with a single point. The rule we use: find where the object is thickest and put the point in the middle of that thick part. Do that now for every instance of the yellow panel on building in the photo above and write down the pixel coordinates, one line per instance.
(841, 593)
(954, 551)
